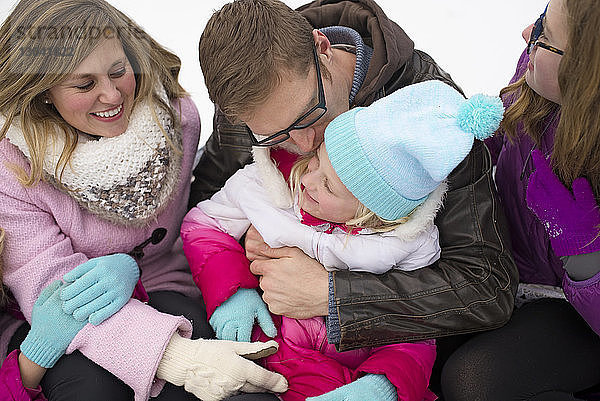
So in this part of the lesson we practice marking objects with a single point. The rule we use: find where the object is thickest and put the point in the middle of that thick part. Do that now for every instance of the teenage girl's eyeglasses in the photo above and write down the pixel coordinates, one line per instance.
(536, 32)
(306, 120)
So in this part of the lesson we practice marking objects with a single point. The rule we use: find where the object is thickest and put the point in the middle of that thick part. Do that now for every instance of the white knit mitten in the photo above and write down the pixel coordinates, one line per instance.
(216, 369)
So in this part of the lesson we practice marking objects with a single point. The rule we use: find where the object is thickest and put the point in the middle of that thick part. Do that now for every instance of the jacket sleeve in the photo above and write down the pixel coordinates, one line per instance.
(11, 385)
(218, 262)
(227, 150)
(375, 253)
(585, 297)
(471, 288)
(131, 342)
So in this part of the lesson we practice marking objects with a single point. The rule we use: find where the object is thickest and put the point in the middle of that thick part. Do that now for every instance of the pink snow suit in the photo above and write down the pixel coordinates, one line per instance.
(11, 386)
(311, 365)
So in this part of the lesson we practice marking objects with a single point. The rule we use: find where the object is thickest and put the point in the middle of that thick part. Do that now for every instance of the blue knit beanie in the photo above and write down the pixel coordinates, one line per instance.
(394, 153)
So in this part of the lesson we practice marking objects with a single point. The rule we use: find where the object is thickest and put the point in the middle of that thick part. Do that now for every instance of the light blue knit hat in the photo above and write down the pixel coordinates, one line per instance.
(394, 153)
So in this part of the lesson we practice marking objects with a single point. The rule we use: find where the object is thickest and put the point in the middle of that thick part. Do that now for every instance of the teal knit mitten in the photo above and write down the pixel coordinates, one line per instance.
(233, 319)
(52, 330)
(370, 387)
(99, 288)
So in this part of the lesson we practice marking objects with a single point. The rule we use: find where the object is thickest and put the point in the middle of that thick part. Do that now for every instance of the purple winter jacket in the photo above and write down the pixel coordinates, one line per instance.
(532, 252)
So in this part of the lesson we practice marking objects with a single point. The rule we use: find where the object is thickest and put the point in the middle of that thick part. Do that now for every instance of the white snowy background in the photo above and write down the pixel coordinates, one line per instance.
(477, 41)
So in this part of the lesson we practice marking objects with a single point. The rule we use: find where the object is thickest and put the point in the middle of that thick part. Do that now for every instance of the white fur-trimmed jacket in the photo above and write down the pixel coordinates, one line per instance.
(245, 200)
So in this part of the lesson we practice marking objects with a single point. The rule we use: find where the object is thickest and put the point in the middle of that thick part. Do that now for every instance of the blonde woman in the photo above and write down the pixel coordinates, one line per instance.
(98, 141)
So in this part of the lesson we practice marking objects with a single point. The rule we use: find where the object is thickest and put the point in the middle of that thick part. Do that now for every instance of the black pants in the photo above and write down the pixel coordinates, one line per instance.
(546, 352)
(75, 378)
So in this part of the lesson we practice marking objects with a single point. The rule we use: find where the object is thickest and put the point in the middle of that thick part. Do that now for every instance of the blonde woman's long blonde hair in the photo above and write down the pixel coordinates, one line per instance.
(364, 218)
(42, 41)
(576, 150)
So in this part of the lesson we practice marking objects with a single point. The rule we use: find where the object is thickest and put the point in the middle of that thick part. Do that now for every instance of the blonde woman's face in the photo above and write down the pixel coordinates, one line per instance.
(97, 98)
(324, 195)
(542, 70)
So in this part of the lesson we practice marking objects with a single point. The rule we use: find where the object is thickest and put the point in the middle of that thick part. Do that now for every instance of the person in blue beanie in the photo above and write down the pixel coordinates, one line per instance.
(364, 201)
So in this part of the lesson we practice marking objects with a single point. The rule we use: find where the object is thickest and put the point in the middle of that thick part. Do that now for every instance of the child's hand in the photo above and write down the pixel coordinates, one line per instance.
(370, 387)
(52, 330)
(100, 287)
(233, 319)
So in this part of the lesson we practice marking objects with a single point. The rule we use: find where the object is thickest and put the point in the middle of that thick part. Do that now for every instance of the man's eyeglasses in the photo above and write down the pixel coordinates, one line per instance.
(536, 32)
(306, 120)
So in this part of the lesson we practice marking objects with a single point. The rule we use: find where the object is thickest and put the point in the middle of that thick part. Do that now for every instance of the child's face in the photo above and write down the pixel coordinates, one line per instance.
(324, 195)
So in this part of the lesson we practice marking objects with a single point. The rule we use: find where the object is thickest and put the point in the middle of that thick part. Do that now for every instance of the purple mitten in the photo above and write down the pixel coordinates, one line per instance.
(570, 219)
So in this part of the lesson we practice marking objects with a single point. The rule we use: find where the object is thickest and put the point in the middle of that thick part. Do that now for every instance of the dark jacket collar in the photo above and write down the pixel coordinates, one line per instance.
(392, 47)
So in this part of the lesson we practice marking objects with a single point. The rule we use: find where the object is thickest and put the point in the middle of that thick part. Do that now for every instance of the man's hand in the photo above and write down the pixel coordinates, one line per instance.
(255, 245)
(294, 284)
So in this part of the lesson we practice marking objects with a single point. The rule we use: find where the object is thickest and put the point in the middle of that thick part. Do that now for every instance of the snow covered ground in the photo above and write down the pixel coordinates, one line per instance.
(477, 41)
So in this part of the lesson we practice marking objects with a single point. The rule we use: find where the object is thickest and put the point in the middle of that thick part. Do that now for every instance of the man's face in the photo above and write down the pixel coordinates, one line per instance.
(292, 98)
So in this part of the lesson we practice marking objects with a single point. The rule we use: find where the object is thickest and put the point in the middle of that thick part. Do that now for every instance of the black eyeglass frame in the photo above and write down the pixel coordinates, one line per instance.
(284, 134)
(536, 32)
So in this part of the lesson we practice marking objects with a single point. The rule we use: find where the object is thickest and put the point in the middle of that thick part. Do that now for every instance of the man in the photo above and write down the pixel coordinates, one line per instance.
(259, 60)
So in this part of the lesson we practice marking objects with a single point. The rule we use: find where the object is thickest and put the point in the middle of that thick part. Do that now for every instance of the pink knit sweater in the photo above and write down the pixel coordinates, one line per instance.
(48, 234)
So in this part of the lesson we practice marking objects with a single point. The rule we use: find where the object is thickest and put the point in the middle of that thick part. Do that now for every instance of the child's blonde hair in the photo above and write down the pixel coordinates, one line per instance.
(364, 218)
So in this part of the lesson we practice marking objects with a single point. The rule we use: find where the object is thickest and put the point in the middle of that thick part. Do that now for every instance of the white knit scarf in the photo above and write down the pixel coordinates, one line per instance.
(127, 179)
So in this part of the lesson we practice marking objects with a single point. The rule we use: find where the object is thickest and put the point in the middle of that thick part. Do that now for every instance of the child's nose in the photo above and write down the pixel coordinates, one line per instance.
(308, 179)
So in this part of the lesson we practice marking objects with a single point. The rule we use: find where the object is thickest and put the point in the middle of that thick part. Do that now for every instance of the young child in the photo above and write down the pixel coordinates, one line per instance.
(366, 200)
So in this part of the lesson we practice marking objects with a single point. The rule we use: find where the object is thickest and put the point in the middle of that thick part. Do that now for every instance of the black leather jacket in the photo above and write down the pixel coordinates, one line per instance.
(471, 288)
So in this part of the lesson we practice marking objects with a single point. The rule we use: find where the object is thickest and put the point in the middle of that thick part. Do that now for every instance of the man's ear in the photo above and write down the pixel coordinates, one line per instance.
(322, 43)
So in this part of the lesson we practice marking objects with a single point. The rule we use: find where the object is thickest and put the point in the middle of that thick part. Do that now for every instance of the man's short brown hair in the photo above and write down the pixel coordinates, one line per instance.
(246, 49)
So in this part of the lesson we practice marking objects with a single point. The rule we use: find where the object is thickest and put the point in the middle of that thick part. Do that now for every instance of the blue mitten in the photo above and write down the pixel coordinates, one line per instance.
(233, 319)
(99, 287)
(52, 330)
(370, 387)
